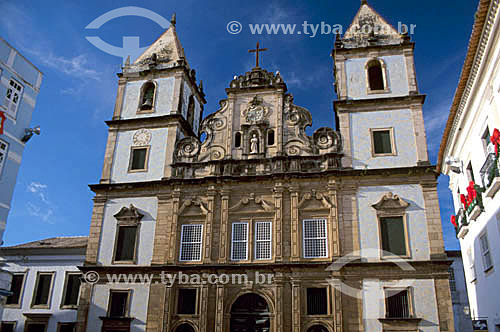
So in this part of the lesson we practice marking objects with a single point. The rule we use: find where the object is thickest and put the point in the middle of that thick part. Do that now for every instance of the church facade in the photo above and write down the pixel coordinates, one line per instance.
(246, 223)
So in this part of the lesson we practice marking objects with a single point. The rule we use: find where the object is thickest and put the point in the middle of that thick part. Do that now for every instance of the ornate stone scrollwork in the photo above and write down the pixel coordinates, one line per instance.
(258, 77)
(188, 147)
(255, 111)
(327, 138)
(391, 202)
(129, 215)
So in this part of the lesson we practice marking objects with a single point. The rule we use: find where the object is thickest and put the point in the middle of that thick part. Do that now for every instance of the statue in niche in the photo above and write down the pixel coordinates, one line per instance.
(254, 144)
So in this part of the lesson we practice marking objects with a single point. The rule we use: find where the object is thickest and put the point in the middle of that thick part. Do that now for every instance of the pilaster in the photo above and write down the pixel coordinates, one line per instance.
(95, 230)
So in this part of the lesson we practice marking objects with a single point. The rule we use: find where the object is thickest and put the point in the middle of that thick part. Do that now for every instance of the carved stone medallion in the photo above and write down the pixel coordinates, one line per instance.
(142, 137)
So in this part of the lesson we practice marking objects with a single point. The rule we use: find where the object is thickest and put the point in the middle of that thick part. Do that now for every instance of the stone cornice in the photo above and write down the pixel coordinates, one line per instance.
(151, 122)
(360, 105)
(156, 186)
(481, 33)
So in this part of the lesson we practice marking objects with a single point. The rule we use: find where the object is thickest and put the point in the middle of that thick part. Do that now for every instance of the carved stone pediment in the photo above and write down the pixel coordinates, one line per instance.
(391, 202)
(251, 204)
(314, 201)
(255, 111)
(193, 207)
(129, 215)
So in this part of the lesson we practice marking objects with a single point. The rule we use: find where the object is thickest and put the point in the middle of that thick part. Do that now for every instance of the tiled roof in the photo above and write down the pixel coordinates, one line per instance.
(64, 242)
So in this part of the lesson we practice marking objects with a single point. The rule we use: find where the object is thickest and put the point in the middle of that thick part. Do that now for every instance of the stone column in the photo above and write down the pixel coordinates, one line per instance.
(444, 304)
(156, 305)
(296, 305)
(162, 231)
(279, 280)
(224, 224)
(174, 216)
(204, 308)
(211, 194)
(334, 221)
(433, 216)
(219, 313)
(95, 230)
(294, 213)
(108, 156)
(278, 221)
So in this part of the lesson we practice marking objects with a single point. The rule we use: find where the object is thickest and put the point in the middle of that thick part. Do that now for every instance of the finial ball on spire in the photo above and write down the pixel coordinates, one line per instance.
(173, 19)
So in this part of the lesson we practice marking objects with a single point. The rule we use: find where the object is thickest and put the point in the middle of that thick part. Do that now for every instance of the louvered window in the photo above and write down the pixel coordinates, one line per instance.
(315, 238)
(191, 239)
(263, 241)
(398, 304)
(239, 247)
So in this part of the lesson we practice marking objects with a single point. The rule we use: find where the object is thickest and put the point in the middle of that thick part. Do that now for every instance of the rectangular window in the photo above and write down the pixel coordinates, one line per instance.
(397, 304)
(3, 154)
(13, 97)
(191, 239)
(67, 327)
(239, 243)
(36, 327)
(471, 265)
(315, 238)
(118, 303)
(71, 289)
(8, 327)
(16, 288)
(485, 252)
(125, 244)
(263, 240)
(317, 301)
(139, 159)
(43, 290)
(453, 284)
(392, 231)
(382, 142)
(186, 301)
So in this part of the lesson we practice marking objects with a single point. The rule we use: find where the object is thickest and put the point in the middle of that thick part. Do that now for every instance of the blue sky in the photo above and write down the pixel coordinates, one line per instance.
(79, 87)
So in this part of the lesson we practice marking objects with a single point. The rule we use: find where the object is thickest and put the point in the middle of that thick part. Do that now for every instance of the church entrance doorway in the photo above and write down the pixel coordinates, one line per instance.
(250, 313)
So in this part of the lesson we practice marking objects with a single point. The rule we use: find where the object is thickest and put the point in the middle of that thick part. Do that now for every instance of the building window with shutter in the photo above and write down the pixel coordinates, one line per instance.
(383, 142)
(71, 290)
(126, 241)
(118, 303)
(398, 303)
(186, 301)
(239, 241)
(4, 146)
(17, 287)
(43, 290)
(485, 252)
(317, 301)
(191, 240)
(393, 235)
(263, 240)
(66, 327)
(8, 327)
(13, 97)
(315, 238)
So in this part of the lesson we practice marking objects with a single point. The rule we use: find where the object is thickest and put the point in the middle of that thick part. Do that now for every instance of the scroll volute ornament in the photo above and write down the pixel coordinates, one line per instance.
(391, 204)
(129, 215)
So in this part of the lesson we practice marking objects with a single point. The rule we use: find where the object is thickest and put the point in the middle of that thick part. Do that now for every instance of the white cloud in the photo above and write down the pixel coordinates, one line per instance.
(40, 206)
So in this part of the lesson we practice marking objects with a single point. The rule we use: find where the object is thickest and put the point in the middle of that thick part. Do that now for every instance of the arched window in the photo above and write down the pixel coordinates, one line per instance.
(250, 312)
(237, 140)
(270, 137)
(190, 111)
(184, 328)
(375, 75)
(147, 96)
(317, 328)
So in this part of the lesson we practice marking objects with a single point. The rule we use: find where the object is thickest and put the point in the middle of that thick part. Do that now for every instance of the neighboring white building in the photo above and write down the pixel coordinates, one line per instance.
(469, 155)
(45, 284)
(458, 287)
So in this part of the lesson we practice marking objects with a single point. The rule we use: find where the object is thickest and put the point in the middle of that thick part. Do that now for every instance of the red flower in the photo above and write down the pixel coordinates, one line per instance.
(495, 139)
(454, 221)
(463, 199)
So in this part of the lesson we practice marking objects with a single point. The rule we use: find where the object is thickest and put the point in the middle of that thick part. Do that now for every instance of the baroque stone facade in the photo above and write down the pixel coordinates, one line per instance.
(246, 192)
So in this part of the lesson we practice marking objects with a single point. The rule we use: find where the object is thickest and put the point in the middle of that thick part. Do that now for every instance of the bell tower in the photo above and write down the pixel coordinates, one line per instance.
(158, 103)
(379, 107)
